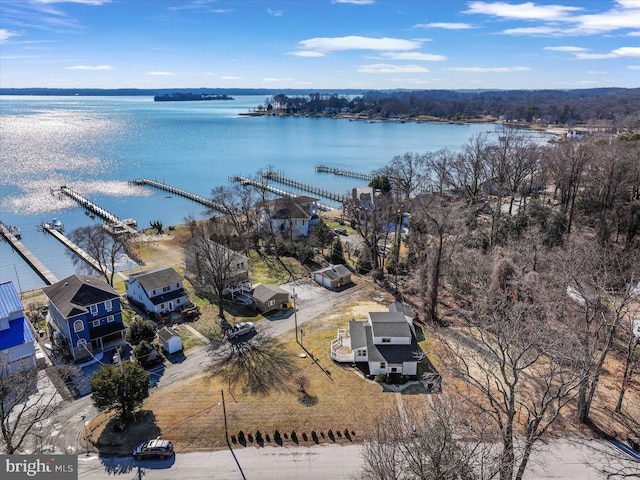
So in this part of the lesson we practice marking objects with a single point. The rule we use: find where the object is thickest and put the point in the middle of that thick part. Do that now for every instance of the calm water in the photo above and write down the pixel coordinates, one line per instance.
(95, 145)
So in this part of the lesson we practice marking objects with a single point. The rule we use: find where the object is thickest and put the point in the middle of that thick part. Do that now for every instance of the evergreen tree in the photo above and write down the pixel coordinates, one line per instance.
(121, 387)
(337, 253)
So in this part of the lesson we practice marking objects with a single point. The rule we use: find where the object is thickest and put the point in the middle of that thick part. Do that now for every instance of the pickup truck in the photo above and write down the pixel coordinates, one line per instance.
(241, 328)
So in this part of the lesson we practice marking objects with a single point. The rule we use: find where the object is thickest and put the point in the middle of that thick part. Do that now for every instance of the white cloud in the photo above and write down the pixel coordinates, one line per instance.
(633, 34)
(446, 26)
(634, 67)
(389, 68)
(85, 2)
(355, 2)
(595, 72)
(523, 11)
(414, 56)
(325, 44)
(307, 53)
(488, 69)
(567, 49)
(633, 52)
(90, 67)
(275, 13)
(276, 80)
(229, 77)
(6, 34)
(161, 74)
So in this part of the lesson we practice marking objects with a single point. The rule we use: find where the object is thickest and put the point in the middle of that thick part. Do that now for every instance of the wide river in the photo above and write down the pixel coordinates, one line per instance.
(96, 145)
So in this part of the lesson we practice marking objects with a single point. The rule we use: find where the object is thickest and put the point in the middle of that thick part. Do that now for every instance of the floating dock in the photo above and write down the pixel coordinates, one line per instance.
(278, 177)
(277, 191)
(43, 272)
(344, 173)
(92, 262)
(114, 224)
(183, 193)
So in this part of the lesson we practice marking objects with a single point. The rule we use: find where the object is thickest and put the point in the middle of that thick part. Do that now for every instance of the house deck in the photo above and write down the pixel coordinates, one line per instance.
(341, 347)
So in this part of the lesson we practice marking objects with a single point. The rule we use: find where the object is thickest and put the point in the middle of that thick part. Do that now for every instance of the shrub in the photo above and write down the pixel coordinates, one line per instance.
(294, 436)
(314, 436)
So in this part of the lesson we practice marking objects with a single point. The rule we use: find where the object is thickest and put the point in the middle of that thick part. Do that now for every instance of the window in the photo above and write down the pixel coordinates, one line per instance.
(271, 303)
(166, 289)
(108, 305)
(153, 292)
(96, 323)
(383, 365)
(177, 285)
(78, 326)
(386, 340)
(110, 319)
(361, 353)
(394, 369)
(93, 309)
(178, 301)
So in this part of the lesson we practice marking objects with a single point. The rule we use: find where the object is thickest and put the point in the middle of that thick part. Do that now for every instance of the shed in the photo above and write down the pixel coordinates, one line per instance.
(334, 276)
(169, 340)
(270, 297)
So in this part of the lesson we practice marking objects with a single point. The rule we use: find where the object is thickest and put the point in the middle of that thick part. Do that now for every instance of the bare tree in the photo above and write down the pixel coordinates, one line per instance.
(433, 224)
(631, 354)
(470, 168)
(238, 205)
(106, 249)
(409, 174)
(510, 354)
(24, 404)
(431, 441)
(212, 267)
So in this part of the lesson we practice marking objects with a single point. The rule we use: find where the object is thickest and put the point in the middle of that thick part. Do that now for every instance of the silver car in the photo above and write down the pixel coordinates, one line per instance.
(241, 328)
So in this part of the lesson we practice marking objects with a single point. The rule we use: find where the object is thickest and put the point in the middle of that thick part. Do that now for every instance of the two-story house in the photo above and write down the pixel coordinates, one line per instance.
(386, 342)
(17, 348)
(159, 290)
(295, 215)
(85, 311)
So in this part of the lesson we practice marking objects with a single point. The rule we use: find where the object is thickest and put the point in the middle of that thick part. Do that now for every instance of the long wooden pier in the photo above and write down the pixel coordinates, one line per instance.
(43, 272)
(344, 173)
(92, 262)
(278, 177)
(179, 191)
(277, 191)
(115, 225)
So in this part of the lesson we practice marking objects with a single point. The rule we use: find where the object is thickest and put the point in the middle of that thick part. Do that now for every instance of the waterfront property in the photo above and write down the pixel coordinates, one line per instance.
(158, 291)
(17, 348)
(84, 312)
(386, 342)
(295, 215)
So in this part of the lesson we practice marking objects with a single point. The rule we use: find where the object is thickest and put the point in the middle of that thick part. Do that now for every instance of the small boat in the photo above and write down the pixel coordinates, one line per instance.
(57, 224)
(15, 228)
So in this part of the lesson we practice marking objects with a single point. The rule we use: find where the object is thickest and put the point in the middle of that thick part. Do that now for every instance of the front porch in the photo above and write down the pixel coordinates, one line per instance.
(341, 347)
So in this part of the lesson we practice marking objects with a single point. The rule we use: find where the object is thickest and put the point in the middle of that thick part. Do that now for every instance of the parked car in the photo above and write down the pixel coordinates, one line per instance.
(241, 328)
(340, 231)
(157, 448)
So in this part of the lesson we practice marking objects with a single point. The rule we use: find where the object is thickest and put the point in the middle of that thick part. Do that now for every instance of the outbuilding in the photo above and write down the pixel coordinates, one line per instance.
(334, 276)
(169, 340)
(270, 297)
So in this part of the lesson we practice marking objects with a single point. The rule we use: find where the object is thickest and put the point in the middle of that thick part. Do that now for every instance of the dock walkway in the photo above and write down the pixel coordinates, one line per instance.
(277, 191)
(116, 225)
(179, 191)
(43, 272)
(344, 173)
(72, 246)
(279, 177)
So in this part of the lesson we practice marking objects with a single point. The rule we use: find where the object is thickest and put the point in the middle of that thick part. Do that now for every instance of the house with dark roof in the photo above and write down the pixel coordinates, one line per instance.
(296, 215)
(159, 290)
(85, 311)
(333, 276)
(270, 297)
(386, 342)
(17, 347)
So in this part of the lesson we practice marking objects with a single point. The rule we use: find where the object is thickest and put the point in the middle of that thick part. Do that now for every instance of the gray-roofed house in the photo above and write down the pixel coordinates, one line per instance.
(159, 290)
(386, 341)
(333, 276)
(17, 348)
(85, 310)
(270, 297)
(296, 215)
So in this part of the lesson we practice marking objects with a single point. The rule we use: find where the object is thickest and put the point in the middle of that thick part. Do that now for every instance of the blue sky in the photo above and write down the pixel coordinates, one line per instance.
(320, 44)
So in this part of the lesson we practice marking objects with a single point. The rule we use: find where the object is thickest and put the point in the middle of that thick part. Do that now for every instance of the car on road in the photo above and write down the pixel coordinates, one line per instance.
(157, 448)
(340, 231)
(241, 328)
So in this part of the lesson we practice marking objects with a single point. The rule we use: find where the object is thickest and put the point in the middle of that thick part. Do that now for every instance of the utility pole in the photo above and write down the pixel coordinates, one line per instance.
(295, 312)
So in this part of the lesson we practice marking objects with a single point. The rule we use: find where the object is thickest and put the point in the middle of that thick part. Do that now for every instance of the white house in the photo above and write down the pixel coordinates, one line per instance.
(17, 347)
(159, 290)
(386, 341)
(333, 276)
(296, 215)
